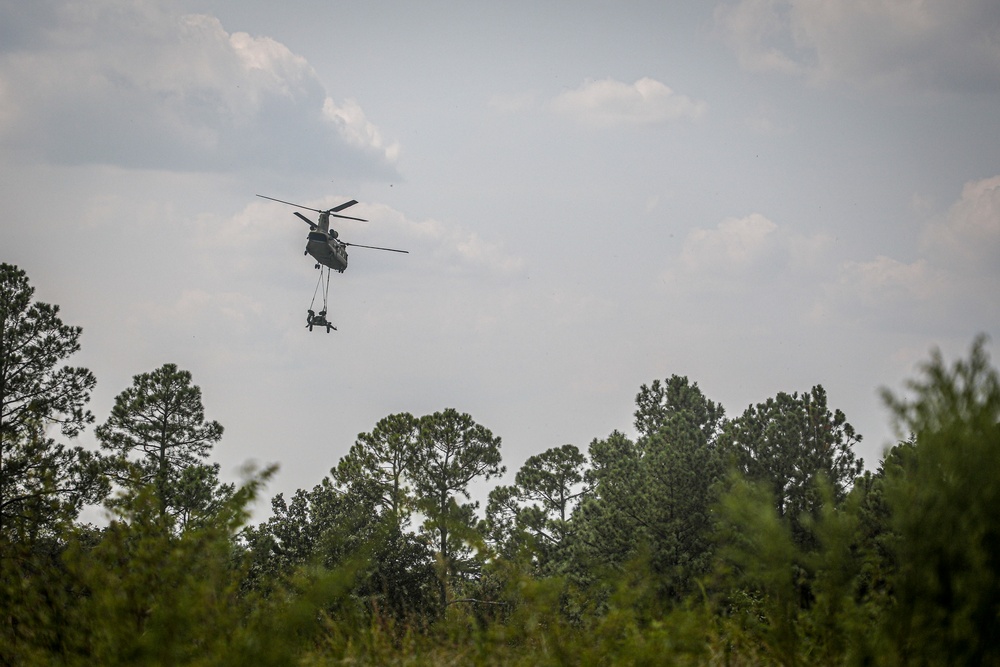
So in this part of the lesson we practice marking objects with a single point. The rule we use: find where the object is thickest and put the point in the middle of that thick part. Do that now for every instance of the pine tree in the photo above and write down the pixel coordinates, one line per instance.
(41, 481)
(452, 451)
(790, 442)
(158, 432)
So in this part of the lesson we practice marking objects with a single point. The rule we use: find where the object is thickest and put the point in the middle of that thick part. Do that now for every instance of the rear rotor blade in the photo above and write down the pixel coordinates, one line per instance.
(374, 247)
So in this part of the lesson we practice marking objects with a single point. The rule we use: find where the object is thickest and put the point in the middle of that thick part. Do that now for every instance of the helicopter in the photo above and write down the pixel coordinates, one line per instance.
(329, 251)
(324, 242)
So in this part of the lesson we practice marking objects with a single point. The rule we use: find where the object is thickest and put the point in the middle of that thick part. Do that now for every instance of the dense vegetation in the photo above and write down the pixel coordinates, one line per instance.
(756, 539)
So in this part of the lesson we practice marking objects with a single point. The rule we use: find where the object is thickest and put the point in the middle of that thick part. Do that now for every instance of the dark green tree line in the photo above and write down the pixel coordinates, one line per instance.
(699, 540)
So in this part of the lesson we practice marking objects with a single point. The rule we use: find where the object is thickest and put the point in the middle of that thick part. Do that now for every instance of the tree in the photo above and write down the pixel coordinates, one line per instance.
(943, 498)
(339, 531)
(452, 451)
(789, 601)
(378, 462)
(135, 594)
(538, 505)
(553, 478)
(680, 427)
(504, 525)
(610, 520)
(789, 442)
(658, 402)
(40, 481)
(682, 468)
(158, 431)
(653, 496)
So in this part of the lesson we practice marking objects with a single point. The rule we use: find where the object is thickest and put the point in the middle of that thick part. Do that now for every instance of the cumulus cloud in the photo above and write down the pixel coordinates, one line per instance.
(968, 239)
(937, 44)
(743, 254)
(357, 129)
(607, 102)
(955, 278)
(884, 280)
(448, 246)
(137, 85)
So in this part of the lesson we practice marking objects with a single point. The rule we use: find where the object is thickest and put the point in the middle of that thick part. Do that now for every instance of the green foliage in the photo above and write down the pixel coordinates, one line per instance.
(793, 603)
(789, 442)
(553, 480)
(41, 482)
(452, 451)
(35, 598)
(661, 401)
(44, 485)
(140, 592)
(906, 569)
(33, 341)
(328, 530)
(944, 499)
(533, 515)
(652, 555)
(610, 520)
(158, 432)
(683, 470)
(656, 494)
(378, 462)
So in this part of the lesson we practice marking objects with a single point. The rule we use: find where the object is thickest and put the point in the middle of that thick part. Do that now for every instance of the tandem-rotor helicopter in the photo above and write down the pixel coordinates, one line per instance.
(324, 244)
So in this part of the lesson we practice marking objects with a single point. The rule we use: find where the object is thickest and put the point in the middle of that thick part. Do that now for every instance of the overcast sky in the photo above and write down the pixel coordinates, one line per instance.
(762, 195)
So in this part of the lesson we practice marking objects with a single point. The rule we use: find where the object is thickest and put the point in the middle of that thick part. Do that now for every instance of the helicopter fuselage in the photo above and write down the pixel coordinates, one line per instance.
(327, 250)
(323, 242)
(323, 245)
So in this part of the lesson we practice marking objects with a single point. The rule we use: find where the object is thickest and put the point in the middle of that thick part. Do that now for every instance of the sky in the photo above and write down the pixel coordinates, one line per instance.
(760, 195)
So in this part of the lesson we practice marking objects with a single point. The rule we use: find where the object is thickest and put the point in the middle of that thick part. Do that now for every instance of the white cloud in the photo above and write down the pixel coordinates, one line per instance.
(138, 85)
(607, 102)
(448, 246)
(734, 244)
(883, 280)
(938, 44)
(357, 129)
(954, 280)
(742, 254)
(968, 239)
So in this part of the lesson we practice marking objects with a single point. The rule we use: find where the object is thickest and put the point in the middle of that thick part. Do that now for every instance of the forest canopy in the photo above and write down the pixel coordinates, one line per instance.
(756, 538)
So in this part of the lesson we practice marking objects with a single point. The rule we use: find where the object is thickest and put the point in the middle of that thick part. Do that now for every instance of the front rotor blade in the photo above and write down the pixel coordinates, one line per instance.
(312, 225)
(374, 247)
(282, 201)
